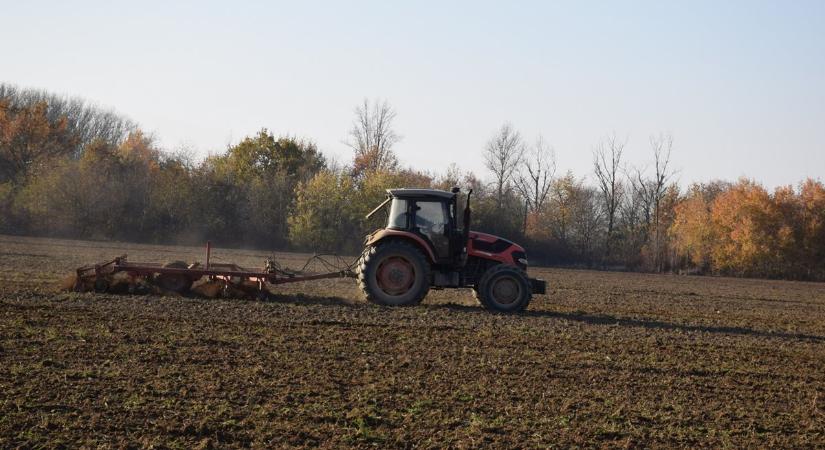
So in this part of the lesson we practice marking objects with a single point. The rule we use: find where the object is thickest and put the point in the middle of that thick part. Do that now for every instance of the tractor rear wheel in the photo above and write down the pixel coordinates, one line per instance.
(174, 282)
(394, 273)
(504, 288)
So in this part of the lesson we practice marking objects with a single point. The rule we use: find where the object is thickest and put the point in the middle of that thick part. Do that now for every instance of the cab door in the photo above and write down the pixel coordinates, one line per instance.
(432, 223)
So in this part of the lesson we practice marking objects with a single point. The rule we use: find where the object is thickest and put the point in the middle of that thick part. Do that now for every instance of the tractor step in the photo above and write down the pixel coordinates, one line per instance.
(538, 286)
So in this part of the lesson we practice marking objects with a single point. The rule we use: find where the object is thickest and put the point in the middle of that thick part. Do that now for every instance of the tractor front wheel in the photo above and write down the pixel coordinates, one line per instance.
(504, 288)
(394, 273)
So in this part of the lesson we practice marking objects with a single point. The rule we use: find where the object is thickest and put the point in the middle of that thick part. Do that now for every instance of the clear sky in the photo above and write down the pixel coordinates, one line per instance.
(739, 84)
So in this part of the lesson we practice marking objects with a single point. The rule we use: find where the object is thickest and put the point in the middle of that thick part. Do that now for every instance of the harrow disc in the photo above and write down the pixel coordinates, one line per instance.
(174, 282)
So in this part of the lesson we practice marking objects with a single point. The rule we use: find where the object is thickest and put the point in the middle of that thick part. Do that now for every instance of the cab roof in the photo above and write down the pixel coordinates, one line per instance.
(405, 193)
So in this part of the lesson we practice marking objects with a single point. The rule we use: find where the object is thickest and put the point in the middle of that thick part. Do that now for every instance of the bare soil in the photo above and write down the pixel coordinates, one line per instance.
(605, 359)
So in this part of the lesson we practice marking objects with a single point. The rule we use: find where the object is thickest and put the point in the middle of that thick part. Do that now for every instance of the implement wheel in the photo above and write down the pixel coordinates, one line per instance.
(504, 288)
(394, 274)
(175, 282)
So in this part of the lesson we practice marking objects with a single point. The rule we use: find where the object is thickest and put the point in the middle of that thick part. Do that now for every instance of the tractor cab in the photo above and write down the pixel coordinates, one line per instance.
(430, 215)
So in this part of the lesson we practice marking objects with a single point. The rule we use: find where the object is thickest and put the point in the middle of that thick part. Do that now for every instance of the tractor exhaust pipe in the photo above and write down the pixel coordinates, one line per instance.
(465, 238)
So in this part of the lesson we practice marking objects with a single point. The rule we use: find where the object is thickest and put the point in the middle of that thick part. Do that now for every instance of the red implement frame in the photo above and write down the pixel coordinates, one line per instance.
(196, 271)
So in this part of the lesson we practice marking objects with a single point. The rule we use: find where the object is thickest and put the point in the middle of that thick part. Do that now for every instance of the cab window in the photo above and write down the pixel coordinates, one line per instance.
(398, 214)
(430, 217)
(431, 221)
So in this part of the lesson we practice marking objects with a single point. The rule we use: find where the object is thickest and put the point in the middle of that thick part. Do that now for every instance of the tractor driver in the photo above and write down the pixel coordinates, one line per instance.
(430, 221)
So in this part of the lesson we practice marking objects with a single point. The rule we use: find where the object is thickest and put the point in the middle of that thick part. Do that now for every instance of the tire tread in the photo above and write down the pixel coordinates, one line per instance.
(370, 255)
(480, 291)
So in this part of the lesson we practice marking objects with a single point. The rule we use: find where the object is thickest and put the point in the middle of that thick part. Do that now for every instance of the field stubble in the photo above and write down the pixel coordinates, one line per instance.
(604, 359)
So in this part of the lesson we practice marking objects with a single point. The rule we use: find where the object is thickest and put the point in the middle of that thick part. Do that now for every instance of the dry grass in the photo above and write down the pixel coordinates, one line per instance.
(606, 359)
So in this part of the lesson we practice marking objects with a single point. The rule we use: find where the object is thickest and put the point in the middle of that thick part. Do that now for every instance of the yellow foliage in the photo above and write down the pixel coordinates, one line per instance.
(325, 211)
(692, 232)
(747, 222)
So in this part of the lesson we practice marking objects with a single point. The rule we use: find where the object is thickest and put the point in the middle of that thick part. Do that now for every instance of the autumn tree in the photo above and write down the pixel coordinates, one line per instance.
(667, 212)
(264, 170)
(570, 220)
(264, 154)
(325, 216)
(800, 235)
(812, 202)
(218, 206)
(172, 200)
(27, 138)
(107, 192)
(692, 232)
(747, 224)
(37, 131)
(742, 229)
(559, 215)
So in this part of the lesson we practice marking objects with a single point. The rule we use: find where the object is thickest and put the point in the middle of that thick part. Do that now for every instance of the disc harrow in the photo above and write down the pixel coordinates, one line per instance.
(208, 279)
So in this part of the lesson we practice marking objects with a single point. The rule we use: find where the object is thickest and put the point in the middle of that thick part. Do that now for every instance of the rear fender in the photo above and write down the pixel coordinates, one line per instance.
(385, 234)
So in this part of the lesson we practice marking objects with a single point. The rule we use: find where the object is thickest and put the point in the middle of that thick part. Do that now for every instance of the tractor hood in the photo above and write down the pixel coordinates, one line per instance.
(488, 246)
(492, 243)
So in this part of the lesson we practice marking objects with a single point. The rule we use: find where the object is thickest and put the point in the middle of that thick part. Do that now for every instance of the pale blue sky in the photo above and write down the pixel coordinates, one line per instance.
(739, 85)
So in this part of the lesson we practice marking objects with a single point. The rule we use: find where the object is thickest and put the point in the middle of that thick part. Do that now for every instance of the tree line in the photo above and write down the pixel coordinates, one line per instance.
(71, 169)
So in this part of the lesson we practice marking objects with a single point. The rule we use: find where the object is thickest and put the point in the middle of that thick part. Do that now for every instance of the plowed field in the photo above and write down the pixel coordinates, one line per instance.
(605, 359)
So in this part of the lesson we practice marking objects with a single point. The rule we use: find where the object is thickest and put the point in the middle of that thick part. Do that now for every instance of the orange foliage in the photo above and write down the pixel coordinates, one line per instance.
(747, 222)
(139, 149)
(27, 137)
(534, 228)
(812, 204)
(745, 230)
(692, 232)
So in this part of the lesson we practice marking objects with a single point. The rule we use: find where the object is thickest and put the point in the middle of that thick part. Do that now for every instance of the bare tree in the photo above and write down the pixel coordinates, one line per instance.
(662, 146)
(651, 191)
(536, 175)
(502, 156)
(84, 120)
(585, 221)
(372, 137)
(607, 160)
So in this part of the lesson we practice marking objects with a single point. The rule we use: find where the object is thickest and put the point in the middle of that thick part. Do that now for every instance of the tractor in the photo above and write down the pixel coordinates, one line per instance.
(424, 246)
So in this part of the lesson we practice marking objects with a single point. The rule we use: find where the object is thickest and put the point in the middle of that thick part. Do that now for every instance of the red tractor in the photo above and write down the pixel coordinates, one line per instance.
(424, 246)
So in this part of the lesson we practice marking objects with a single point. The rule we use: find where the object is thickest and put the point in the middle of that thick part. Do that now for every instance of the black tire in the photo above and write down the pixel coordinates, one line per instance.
(394, 273)
(174, 282)
(504, 288)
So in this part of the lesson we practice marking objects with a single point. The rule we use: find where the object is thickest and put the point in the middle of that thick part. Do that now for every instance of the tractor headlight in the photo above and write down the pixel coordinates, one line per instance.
(522, 261)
